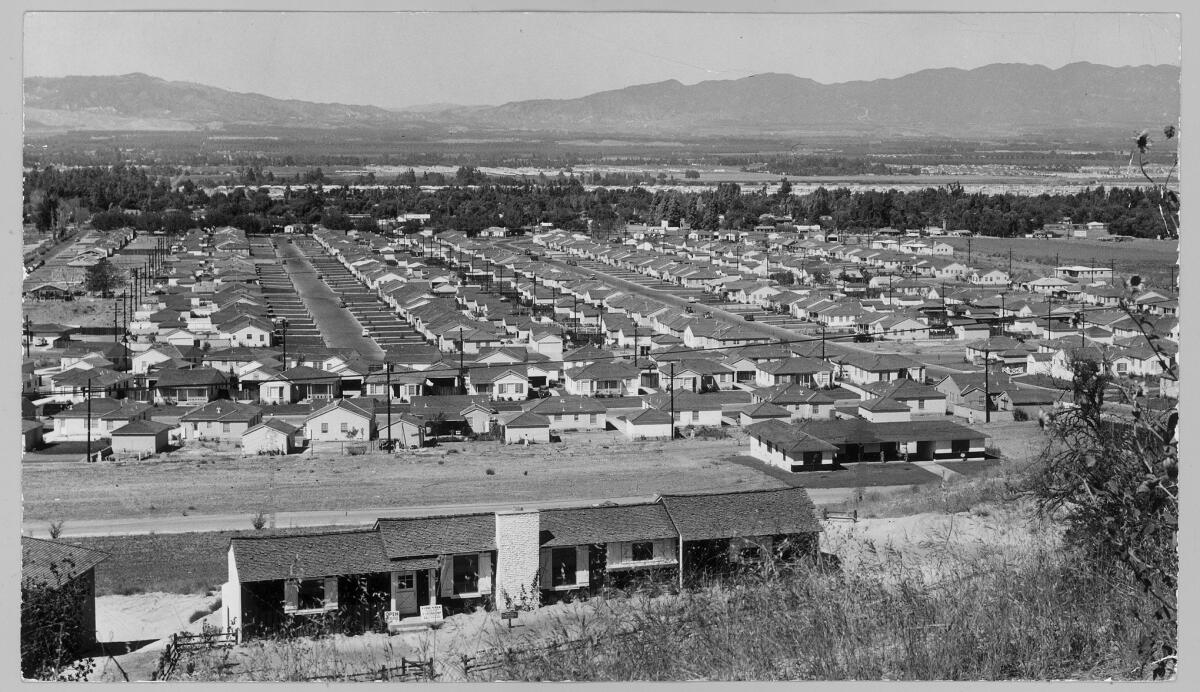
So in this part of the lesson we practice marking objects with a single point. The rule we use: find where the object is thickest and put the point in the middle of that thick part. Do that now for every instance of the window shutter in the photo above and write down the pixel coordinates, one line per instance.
(485, 573)
(331, 593)
(291, 595)
(581, 565)
(546, 570)
(446, 562)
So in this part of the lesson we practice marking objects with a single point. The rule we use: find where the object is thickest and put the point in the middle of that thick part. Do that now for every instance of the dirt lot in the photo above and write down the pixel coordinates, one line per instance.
(1032, 257)
(203, 482)
(83, 312)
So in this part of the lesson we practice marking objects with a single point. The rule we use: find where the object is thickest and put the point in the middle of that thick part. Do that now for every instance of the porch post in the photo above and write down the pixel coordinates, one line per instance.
(433, 586)
(393, 576)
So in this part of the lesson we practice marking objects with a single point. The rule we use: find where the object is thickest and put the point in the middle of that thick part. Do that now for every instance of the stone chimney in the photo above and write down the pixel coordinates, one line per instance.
(518, 558)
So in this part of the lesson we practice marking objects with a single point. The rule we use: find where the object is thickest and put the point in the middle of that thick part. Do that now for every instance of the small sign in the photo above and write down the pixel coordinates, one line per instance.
(431, 613)
(508, 615)
(391, 617)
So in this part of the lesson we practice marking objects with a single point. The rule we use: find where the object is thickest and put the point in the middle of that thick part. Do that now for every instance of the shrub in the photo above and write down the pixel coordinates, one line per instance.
(258, 521)
(56, 528)
(490, 472)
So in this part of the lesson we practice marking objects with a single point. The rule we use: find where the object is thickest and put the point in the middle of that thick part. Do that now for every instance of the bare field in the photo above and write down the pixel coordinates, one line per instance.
(210, 483)
(1032, 257)
(83, 312)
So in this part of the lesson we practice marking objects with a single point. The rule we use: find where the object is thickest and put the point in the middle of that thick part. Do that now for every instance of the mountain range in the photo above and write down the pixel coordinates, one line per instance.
(998, 99)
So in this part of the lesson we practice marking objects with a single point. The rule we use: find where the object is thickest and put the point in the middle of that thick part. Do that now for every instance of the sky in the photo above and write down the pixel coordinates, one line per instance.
(397, 59)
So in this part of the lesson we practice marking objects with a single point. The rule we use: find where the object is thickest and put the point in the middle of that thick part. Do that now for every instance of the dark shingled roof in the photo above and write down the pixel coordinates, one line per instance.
(587, 525)
(38, 555)
(310, 555)
(758, 513)
(441, 535)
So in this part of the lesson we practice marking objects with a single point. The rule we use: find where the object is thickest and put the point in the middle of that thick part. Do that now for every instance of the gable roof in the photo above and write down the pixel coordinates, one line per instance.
(268, 558)
(139, 428)
(588, 525)
(755, 513)
(223, 410)
(273, 424)
(345, 405)
(438, 535)
(39, 556)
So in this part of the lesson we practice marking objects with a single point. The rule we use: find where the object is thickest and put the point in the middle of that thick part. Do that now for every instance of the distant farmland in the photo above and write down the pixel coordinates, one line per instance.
(1152, 259)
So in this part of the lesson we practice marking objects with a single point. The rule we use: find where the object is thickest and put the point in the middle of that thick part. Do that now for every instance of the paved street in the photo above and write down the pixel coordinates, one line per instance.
(337, 325)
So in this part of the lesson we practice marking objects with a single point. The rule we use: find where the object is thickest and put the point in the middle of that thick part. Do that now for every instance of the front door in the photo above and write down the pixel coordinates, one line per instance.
(405, 592)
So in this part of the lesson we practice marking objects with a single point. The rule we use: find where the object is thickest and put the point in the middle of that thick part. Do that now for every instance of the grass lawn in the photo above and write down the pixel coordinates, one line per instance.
(971, 467)
(860, 475)
(170, 562)
(204, 482)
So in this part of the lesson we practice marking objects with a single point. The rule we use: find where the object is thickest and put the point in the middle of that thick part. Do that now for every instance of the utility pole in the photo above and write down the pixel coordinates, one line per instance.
(28, 336)
(671, 387)
(88, 396)
(822, 341)
(968, 249)
(635, 342)
(462, 371)
(388, 368)
(1010, 264)
(987, 387)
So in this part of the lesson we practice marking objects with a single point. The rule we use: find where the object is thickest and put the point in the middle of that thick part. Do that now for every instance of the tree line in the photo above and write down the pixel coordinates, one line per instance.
(471, 201)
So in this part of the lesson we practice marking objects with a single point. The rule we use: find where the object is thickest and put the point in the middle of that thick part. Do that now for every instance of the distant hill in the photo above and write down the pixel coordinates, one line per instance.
(1000, 99)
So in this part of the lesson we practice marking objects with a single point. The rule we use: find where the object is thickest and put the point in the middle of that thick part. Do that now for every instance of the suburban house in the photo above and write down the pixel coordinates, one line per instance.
(502, 559)
(58, 566)
(803, 403)
(788, 447)
(341, 420)
(858, 439)
(272, 437)
(299, 384)
(809, 372)
(31, 434)
(141, 438)
(500, 382)
(603, 379)
(222, 421)
(756, 413)
(106, 416)
(865, 368)
(193, 387)
(646, 424)
(690, 408)
(570, 413)
(523, 427)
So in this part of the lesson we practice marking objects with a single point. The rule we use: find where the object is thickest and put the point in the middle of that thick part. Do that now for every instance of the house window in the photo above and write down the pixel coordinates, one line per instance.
(311, 594)
(920, 404)
(466, 573)
(643, 550)
(592, 419)
(501, 389)
(224, 427)
(324, 427)
(695, 415)
(405, 581)
(343, 427)
(750, 553)
(562, 566)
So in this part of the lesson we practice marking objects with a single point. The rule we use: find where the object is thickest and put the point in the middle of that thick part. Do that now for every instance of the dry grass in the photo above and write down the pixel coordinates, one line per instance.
(217, 484)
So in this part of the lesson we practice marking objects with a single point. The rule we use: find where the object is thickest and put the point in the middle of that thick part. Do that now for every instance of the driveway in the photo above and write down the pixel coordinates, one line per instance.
(337, 325)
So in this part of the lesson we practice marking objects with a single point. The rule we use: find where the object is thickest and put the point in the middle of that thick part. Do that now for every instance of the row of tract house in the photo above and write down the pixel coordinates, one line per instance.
(507, 560)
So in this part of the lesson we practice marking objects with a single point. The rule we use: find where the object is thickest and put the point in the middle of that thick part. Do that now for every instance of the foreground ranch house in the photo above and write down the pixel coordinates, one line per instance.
(520, 557)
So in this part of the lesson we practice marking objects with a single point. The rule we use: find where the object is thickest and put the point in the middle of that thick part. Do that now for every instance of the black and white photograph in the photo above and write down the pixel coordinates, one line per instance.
(596, 346)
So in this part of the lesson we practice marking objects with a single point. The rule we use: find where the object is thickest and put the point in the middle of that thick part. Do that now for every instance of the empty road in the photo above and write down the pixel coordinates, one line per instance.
(338, 327)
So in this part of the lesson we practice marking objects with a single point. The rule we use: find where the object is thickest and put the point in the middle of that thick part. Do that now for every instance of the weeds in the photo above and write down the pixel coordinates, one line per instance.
(1017, 613)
